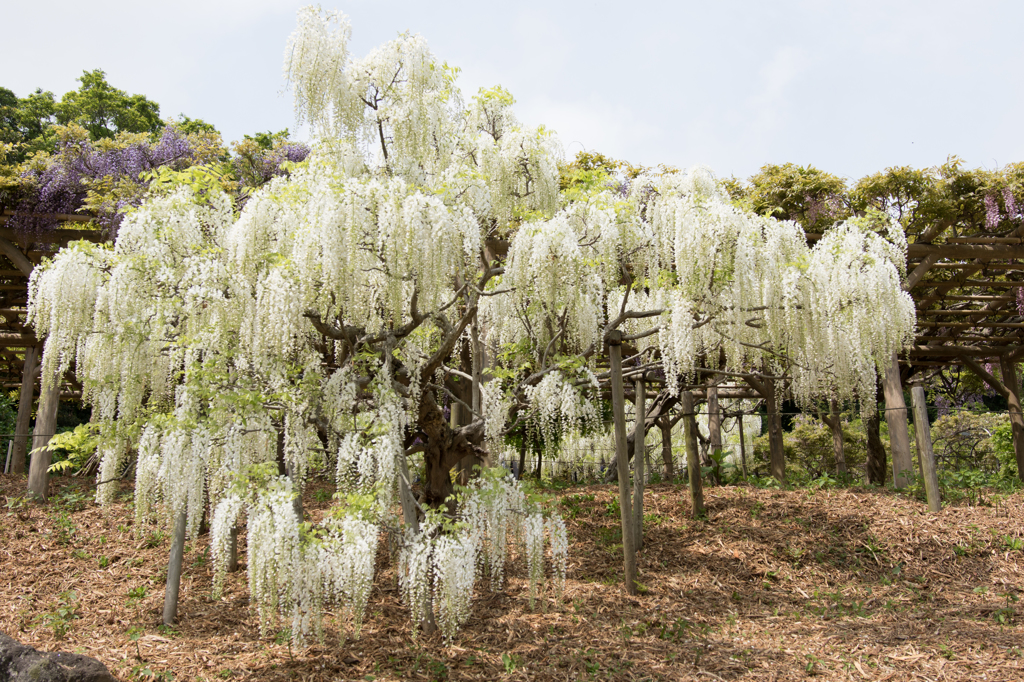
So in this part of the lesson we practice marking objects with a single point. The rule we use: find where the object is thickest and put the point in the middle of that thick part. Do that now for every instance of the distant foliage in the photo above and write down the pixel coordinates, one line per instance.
(964, 439)
(1002, 445)
(809, 448)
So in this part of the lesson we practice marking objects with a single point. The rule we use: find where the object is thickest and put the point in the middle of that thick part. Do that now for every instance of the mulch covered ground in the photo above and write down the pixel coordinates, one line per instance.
(774, 585)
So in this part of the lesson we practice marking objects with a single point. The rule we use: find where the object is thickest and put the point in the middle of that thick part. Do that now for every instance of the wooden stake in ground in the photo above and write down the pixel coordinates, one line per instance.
(46, 425)
(924, 448)
(743, 444)
(896, 418)
(21, 427)
(174, 571)
(622, 458)
(666, 448)
(692, 456)
(715, 432)
(638, 463)
(412, 523)
(233, 550)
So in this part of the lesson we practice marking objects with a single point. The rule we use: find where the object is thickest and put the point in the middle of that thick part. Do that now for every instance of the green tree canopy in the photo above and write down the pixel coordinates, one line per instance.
(105, 111)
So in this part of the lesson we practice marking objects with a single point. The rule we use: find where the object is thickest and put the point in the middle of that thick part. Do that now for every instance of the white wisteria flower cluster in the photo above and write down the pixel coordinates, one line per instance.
(438, 569)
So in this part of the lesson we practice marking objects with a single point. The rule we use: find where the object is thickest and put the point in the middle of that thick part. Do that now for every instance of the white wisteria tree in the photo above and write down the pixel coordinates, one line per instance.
(331, 324)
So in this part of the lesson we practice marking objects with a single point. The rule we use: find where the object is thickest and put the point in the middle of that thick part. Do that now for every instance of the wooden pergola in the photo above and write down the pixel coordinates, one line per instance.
(19, 347)
(965, 289)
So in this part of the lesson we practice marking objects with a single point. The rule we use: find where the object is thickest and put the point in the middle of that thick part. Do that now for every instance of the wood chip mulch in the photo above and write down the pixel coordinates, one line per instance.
(847, 584)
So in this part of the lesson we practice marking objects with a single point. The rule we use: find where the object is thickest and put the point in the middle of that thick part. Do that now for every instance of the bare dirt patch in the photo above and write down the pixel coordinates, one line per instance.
(773, 585)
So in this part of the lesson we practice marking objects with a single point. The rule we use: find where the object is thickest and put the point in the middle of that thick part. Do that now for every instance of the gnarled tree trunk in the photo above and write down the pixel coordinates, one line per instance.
(443, 448)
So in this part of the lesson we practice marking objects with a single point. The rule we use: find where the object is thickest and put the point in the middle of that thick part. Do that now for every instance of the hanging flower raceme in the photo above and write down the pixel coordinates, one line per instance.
(439, 566)
(293, 572)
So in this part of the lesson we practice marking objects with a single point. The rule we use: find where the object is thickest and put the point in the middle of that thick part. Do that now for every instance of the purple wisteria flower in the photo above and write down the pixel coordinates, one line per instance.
(991, 211)
(60, 183)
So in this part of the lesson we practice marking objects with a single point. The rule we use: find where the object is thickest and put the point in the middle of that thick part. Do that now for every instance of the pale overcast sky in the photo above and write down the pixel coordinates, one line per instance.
(850, 87)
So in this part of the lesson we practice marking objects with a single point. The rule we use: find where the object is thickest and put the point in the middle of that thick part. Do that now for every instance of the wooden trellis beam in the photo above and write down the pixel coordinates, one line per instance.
(971, 325)
(978, 351)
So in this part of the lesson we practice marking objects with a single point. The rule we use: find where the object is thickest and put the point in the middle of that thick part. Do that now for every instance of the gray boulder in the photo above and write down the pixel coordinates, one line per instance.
(22, 663)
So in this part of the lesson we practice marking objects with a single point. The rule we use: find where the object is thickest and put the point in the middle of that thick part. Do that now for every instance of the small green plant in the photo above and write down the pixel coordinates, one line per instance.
(590, 663)
(322, 495)
(202, 559)
(134, 633)
(144, 672)
(60, 618)
(1013, 544)
(137, 594)
(73, 499)
(104, 561)
(155, 539)
(80, 554)
(946, 652)
(282, 637)
(73, 450)
(510, 662)
(1007, 613)
(612, 508)
(16, 503)
(63, 526)
(436, 670)
(676, 631)
(167, 631)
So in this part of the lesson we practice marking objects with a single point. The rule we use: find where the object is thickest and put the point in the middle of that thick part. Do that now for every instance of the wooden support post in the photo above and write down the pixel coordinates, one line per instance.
(1008, 368)
(522, 456)
(476, 400)
(876, 451)
(412, 522)
(174, 571)
(233, 550)
(666, 448)
(715, 431)
(743, 444)
(896, 418)
(639, 451)
(409, 515)
(46, 425)
(692, 455)
(924, 447)
(776, 445)
(477, 365)
(622, 458)
(21, 427)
